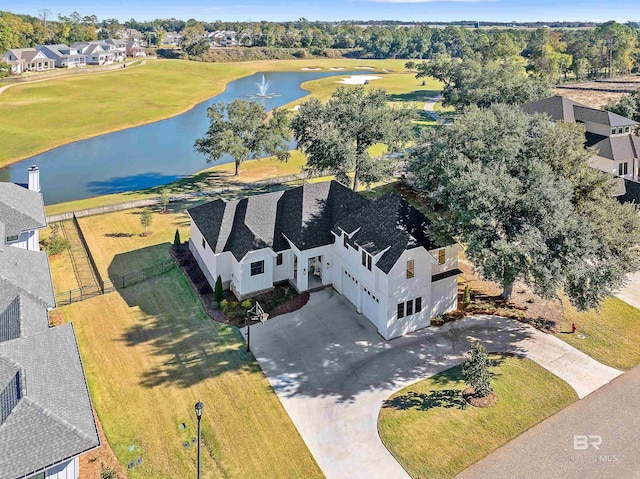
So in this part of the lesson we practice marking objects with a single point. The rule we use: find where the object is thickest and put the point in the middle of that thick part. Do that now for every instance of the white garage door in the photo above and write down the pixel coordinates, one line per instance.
(370, 304)
(350, 287)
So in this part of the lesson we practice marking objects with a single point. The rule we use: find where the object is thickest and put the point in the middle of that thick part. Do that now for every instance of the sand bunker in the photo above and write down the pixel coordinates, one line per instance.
(358, 79)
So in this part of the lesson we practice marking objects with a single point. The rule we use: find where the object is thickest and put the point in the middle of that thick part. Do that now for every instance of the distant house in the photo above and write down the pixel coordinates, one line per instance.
(171, 38)
(377, 253)
(97, 53)
(63, 55)
(46, 417)
(223, 38)
(22, 212)
(22, 60)
(135, 49)
(618, 150)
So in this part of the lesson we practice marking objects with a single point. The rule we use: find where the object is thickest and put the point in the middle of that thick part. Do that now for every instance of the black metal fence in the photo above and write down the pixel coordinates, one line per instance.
(118, 282)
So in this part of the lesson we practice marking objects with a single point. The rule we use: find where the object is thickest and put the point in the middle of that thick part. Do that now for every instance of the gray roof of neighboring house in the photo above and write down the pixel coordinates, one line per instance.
(21, 209)
(53, 418)
(28, 271)
(631, 193)
(560, 108)
(388, 223)
(307, 216)
(618, 148)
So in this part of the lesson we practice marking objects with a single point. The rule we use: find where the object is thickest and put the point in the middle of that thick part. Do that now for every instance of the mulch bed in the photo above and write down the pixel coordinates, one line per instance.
(469, 395)
(292, 305)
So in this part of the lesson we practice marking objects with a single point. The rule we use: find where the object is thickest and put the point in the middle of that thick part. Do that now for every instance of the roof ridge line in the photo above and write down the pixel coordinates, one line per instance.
(47, 412)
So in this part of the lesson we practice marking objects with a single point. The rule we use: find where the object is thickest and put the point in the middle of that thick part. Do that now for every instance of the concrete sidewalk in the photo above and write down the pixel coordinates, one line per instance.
(332, 372)
(631, 293)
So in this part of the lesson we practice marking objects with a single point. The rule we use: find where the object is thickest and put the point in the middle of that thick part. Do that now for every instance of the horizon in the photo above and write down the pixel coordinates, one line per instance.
(427, 11)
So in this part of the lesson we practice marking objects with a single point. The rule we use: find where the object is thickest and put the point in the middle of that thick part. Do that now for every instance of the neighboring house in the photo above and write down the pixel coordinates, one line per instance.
(97, 53)
(22, 60)
(171, 38)
(119, 46)
(22, 212)
(618, 149)
(223, 38)
(377, 253)
(135, 49)
(63, 55)
(129, 34)
(46, 417)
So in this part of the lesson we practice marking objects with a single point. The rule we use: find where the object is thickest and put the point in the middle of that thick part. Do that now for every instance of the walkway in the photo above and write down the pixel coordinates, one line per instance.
(87, 281)
(547, 450)
(430, 105)
(332, 372)
(631, 293)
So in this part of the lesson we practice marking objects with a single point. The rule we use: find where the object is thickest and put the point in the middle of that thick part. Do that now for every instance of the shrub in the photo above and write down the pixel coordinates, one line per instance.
(224, 304)
(108, 473)
(176, 239)
(475, 370)
(217, 292)
(466, 297)
(55, 243)
(246, 304)
(215, 304)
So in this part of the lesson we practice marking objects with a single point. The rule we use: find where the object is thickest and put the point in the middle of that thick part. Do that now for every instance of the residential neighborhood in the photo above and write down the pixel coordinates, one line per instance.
(348, 240)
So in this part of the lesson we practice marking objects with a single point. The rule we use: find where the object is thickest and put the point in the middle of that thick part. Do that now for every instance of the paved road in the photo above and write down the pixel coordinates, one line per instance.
(332, 372)
(547, 451)
(631, 294)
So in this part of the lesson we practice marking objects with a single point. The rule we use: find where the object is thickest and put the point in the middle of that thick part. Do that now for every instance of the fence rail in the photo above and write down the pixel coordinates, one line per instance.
(119, 282)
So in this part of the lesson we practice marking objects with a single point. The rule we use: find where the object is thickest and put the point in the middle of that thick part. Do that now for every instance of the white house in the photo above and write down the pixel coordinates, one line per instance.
(618, 150)
(63, 55)
(97, 53)
(22, 60)
(22, 210)
(377, 253)
(46, 417)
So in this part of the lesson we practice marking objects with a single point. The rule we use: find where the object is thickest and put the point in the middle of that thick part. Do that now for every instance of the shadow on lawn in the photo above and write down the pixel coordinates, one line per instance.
(188, 347)
(416, 95)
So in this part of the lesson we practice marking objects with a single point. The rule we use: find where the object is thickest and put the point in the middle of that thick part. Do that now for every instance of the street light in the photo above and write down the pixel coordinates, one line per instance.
(199, 407)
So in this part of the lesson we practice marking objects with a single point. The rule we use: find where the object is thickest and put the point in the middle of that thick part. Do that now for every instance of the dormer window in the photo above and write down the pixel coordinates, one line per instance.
(410, 269)
(366, 260)
(623, 169)
(620, 130)
(12, 238)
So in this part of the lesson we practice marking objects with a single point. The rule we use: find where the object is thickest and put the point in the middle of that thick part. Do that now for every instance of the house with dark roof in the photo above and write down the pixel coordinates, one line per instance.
(380, 254)
(46, 417)
(63, 55)
(618, 149)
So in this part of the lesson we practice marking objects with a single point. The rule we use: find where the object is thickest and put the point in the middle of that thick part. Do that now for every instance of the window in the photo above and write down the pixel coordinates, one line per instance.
(12, 238)
(619, 130)
(257, 268)
(418, 307)
(623, 168)
(204, 244)
(344, 236)
(442, 256)
(364, 258)
(400, 310)
(410, 268)
(613, 131)
(369, 262)
(410, 307)
(279, 259)
(626, 129)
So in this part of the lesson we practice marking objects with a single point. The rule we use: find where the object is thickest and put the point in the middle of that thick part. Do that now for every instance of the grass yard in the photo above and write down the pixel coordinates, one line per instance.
(117, 247)
(612, 335)
(62, 274)
(39, 116)
(431, 436)
(150, 353)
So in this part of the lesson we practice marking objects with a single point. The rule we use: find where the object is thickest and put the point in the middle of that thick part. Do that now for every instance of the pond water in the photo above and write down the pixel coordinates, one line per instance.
(152, 154)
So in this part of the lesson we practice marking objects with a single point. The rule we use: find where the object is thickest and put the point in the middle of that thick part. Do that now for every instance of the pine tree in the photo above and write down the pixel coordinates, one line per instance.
(176, 239)
(475, 370)
(217, 291)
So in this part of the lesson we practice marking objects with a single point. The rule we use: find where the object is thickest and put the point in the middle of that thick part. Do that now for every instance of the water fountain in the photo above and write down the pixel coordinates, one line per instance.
(263, 89)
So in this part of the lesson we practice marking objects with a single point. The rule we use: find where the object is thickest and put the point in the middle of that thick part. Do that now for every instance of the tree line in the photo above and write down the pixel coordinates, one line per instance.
(609, 48)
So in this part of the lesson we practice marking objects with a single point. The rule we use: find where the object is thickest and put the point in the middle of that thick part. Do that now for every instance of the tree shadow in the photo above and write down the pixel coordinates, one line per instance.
(119, 235)
(444, 398)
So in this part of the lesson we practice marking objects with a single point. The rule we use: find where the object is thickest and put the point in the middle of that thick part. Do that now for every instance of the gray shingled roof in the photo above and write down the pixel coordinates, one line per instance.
(618, 148)
(21, 209)
(560, 108)
(304, 215)
(29, 272)
(631, 193)
(307, 216)
(53, 419)
(388, 223)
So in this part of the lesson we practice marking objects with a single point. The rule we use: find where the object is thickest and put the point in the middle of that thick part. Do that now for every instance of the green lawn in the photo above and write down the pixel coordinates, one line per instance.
(40, 116)
(612, 335)
(426, 430)
(150, 353)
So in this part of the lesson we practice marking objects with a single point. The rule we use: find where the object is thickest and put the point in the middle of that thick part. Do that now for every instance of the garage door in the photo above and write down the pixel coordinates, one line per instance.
(350, 287)
(370, 304)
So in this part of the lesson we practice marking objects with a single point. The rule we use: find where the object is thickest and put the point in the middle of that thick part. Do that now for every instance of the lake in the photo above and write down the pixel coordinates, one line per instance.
(148, 155)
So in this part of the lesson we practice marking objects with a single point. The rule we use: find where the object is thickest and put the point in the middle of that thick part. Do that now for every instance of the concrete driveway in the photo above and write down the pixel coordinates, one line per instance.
(332, 372)
(631, 293)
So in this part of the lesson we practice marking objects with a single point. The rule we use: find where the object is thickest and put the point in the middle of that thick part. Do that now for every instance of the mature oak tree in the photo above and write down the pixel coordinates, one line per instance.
(517, 192)
(241, 129)
(336, 136)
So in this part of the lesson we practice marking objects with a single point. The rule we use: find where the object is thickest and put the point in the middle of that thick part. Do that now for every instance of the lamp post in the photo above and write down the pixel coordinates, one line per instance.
(199, 407)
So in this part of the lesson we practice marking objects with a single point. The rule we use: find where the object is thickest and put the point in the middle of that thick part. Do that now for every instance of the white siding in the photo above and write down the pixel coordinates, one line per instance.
(66, 470)
(451, 259)
(285, 270)
(444, 296)
(248, 284)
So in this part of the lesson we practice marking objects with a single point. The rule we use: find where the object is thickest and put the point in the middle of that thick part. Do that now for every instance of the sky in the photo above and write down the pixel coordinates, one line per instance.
(283, 10)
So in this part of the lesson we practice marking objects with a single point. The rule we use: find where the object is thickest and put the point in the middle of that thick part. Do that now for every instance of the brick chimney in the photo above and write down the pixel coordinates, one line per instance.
(34, 178)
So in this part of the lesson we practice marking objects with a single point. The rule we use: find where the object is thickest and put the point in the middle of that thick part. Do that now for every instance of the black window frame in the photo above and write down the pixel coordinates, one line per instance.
(409, 307)
(279, 259)
(261, 267)
(418, 305)
(344, 239)
(364, 258)
(204, 243)
(369, 262)
(400, 311)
